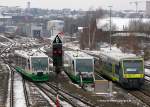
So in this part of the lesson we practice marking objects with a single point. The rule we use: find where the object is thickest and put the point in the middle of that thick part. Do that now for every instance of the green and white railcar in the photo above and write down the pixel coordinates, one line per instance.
(32, 64)
(79, 66)
(127, 69)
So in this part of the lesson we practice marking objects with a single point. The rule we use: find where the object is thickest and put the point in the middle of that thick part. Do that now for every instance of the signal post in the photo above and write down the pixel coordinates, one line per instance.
(57, 61)
(57, 54)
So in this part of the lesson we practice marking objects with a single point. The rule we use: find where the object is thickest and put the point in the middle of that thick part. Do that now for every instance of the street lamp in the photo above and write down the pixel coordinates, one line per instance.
(110, 26)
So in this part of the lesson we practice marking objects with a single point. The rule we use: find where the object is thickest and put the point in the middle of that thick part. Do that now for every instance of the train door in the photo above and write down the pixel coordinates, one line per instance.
(27, 65)
(121, 72)
(116, 73)
(75, 70)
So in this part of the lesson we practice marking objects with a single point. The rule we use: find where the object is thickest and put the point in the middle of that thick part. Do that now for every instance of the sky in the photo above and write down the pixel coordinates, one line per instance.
(75, 4)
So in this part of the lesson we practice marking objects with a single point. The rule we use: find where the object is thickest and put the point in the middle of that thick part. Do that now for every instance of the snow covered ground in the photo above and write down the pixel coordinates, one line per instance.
(72, 46)
(147, 71)
(120, 23)
(19, 98)
(2, 36)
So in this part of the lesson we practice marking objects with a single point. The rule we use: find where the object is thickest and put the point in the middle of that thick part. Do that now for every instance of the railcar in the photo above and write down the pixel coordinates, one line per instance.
(79, 66)
(32, 64)
(126, 69)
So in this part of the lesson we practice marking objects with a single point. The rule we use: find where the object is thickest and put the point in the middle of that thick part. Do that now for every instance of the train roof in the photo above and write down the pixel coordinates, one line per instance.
(77, 55)
(116, 56)
(30, 53)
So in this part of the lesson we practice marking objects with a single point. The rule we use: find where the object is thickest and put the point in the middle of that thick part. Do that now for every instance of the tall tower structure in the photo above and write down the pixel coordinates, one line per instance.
(28, 5)
(147, 8)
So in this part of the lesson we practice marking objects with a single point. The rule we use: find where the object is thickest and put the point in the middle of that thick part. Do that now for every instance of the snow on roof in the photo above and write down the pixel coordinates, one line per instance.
(29, 53)
(5, 17)
(119, 22)
(56, 21)
(77, 54)
(72, 46)
(115, 54)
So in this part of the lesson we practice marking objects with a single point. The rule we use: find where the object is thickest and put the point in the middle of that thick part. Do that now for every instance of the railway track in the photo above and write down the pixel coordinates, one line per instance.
(79, 99)
(141, 95)
(51, 94)
(26, 94)
(12, 90)
(48, 93)
(147, 66)
(12, 78)
(147, 78)
(72, 100)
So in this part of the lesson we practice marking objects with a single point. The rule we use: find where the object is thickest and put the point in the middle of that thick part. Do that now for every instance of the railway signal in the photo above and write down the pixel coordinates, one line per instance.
(57, 52)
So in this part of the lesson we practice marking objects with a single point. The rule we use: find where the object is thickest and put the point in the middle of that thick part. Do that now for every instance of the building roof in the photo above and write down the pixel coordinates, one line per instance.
(30, 53)
(119, 23)
(77, 54)
(115, 55)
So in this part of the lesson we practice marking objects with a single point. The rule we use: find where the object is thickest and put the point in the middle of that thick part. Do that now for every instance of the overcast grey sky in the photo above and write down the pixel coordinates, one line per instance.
(75, 4)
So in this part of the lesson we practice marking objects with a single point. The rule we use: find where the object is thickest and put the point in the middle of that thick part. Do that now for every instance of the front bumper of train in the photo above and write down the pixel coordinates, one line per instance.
(133, 76)
(132, 83)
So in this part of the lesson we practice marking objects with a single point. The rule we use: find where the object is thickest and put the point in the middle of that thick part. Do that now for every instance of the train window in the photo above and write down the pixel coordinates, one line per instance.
(84, 65)
(133, 66)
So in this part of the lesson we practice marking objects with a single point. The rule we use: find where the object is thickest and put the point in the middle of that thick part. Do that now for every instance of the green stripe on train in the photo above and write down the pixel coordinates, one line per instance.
(76, 79)
(33, 77)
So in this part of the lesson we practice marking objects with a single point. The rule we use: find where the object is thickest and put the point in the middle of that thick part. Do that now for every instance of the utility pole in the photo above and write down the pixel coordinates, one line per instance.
(89, 37)
(136, 5)
(110, 26)
(89, 26)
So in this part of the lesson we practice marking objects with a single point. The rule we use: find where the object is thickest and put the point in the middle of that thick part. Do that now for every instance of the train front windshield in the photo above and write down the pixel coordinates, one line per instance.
(133, 66)
(39, 64)
(84, 65)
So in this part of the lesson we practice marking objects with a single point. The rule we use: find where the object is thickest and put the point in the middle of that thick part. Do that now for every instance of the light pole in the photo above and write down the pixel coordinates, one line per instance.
(89, 38)
(110, 26)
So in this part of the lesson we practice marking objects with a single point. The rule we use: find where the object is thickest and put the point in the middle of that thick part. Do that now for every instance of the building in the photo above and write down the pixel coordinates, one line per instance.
(55, 26)
(31, 30)
(147, 8)
(5, 20)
